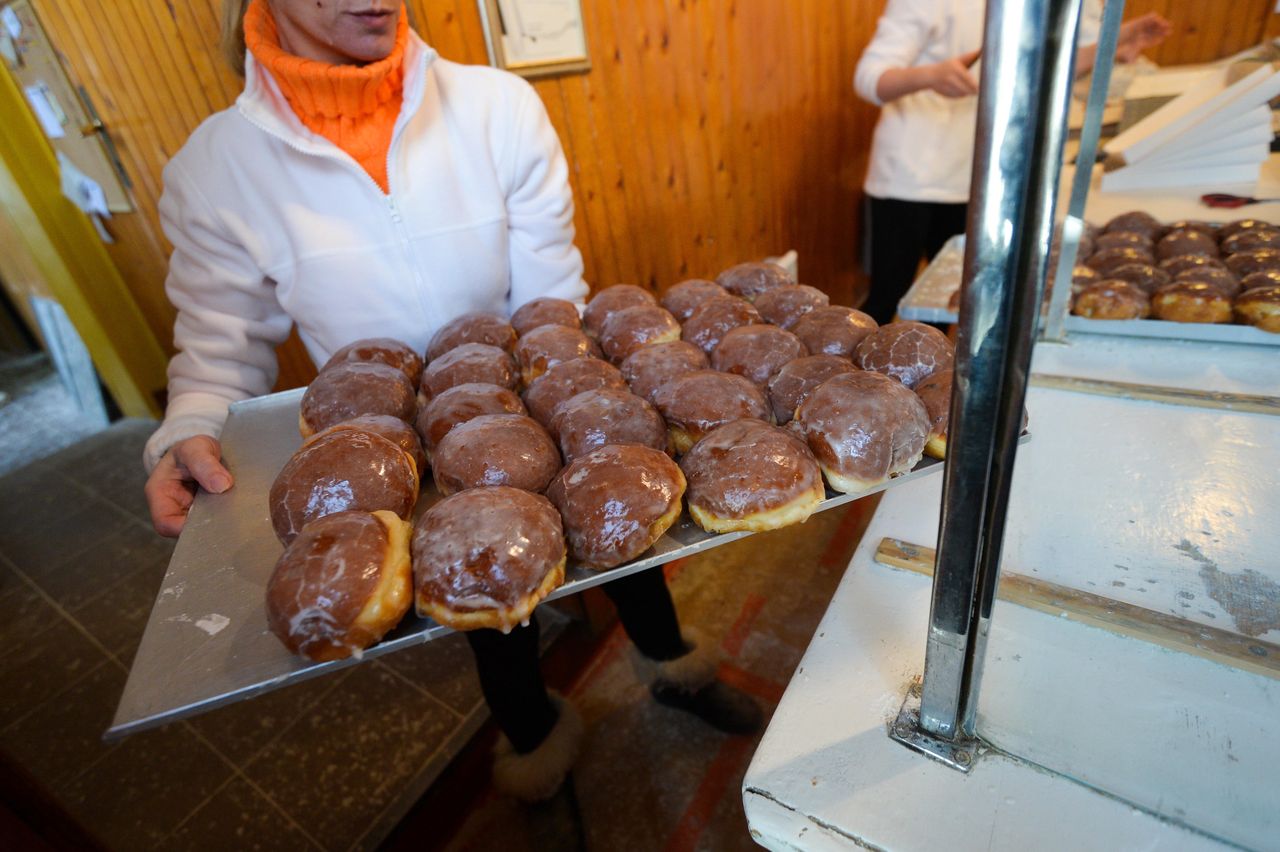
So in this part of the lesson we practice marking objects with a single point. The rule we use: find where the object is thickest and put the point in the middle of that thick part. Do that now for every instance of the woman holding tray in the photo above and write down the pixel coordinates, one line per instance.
(362, 186)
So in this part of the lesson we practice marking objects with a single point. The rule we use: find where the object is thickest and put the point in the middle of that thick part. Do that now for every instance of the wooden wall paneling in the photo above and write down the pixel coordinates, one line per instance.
(1206, 30)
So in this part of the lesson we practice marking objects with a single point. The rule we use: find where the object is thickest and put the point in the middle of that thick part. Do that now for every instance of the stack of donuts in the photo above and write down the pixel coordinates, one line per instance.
(554, 435)
(1136, 268)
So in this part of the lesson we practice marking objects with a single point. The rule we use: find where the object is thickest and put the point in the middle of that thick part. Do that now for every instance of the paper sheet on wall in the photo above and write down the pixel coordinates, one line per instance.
(49, 114)
(86, 193)
(12, 24)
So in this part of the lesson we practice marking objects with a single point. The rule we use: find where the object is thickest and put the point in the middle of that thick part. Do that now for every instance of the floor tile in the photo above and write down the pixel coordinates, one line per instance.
(39, 540)
(144, 788)
(239, 731)
(111, 466)
(444, 667)
(118, 616)
(87, 574)
(23, 610)
(39, 667)
(62, 737)
(238, 818)
(342, 763)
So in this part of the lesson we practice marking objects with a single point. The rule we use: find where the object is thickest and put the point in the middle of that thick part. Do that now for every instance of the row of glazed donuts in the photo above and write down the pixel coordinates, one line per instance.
(1136, 267)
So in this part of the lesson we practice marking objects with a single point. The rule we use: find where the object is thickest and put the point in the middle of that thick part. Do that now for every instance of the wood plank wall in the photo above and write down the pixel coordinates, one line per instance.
(707, 132)
(1205, 30)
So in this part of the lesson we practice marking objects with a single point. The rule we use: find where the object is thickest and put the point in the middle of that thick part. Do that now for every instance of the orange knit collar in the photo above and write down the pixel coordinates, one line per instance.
(318, 90)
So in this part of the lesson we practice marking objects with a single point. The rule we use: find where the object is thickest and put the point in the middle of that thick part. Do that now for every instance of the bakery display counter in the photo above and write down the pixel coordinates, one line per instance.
(1132, 674)
(207, 642)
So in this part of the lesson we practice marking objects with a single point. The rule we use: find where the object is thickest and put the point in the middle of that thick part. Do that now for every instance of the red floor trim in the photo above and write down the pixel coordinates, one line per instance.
(842, 540)
(752, 684)
(741, 627)
(722, 773)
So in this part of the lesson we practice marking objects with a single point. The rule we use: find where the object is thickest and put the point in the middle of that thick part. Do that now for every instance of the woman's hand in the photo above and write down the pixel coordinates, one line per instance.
(172, 485)
(1139, 34)
(951, 78)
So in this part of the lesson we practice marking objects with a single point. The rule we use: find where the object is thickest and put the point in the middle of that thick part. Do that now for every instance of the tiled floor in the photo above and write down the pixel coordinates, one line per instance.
(327, 764)
(30, 392)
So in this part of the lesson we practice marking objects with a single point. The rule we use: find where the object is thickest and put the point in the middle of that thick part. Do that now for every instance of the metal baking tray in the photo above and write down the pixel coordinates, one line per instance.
(207, 642)
(928, 298)
(1203, 331)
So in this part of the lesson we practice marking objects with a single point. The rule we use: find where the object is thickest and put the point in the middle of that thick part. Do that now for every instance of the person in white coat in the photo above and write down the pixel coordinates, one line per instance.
(921, 70)
(362, 186)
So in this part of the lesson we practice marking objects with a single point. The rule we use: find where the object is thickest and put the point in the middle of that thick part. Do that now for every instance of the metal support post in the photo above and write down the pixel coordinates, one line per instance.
(1028, 54)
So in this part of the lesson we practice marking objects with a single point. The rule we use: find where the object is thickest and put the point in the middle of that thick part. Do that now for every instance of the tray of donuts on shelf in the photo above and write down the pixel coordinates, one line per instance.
(1137, 276)
(549, 451)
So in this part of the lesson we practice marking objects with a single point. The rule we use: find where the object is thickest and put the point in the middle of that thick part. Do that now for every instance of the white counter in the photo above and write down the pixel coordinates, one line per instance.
(1172, 509)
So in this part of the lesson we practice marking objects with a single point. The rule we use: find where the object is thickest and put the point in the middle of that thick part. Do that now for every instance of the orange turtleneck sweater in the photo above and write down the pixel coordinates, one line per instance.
(353, 106)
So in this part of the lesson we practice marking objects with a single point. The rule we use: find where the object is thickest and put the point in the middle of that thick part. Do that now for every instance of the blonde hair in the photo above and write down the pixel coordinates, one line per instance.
(232, 41)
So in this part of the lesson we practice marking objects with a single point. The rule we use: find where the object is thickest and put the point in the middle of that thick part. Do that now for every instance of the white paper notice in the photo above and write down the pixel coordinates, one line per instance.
(83, 190)
(46, 110)
(542, 30)
(12, 24)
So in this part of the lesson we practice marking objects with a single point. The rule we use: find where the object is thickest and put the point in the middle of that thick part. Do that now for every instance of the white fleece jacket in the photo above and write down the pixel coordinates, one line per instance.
(273, 225)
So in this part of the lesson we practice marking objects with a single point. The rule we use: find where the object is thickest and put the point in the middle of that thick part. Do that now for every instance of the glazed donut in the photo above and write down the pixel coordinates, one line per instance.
(712, 320)
(495, 449)
(906, 351)
(697, 402)
(684, 298)
(756, 352)
(1186, 241)
(863, 428)
(616, 501)
(935, 393)
(545, 311)
(833, 330)
(1193, 225)
(1244, 263)
(341, 585)
(352, 388)
(1181, 263)
(595, 418)
(461, 403)
(542, 348)
(1146, 277)
(1191, 301)
(1107, 259)
(1216, 276)
(749, 280)
(1250, 239)
(651, 367)
(485, 557)
(1111, 299)
(748, 475)
(468, 363)
(479, 327)
(783, 306)
(1124, 239)
(1136, 221)
(1260, 307)
(568, 379)
(626, 330)
(380, 350)
(393, 429)
(1265, 278)
(344, 470)
(790, 385)
(612, 299)
(1232, 228)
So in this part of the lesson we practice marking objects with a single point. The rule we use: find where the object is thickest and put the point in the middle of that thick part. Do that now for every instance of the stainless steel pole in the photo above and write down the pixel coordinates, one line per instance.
(1073, 222)
(1027, 54)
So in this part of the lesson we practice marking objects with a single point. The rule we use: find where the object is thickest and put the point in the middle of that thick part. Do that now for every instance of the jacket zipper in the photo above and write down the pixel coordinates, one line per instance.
(396, 219)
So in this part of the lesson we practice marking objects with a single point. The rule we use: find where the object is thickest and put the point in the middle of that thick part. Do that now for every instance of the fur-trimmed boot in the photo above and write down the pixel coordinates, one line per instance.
(537, 775)
(689, 683)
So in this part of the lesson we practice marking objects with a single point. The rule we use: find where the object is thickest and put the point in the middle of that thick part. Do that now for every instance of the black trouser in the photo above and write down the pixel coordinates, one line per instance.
(508, 663)
(899, 235)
